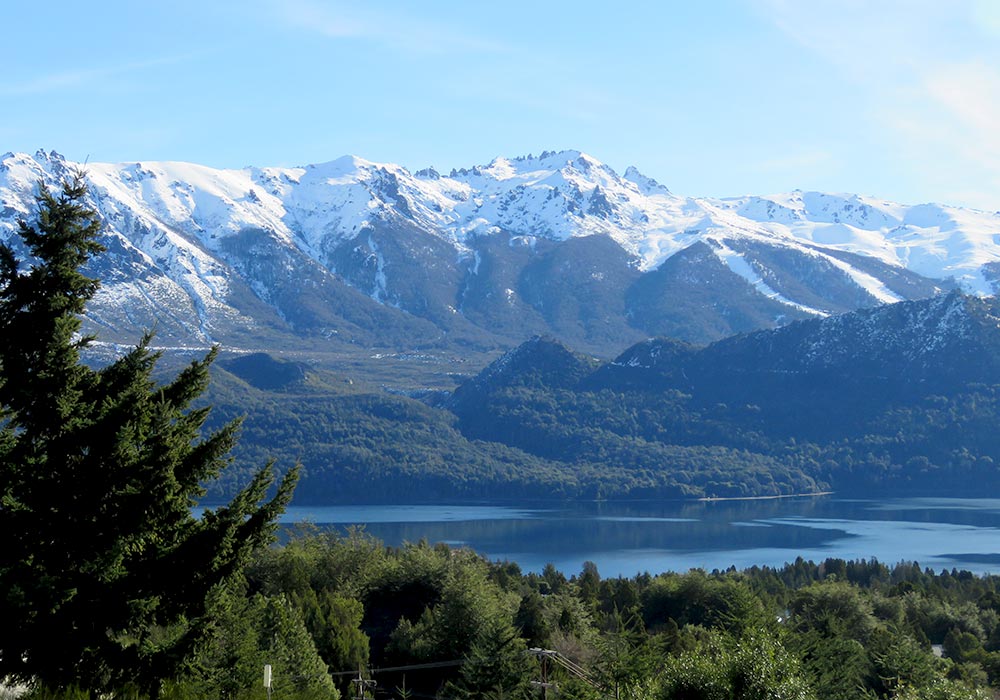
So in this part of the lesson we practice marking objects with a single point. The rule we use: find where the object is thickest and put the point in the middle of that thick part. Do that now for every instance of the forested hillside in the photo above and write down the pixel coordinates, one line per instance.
(359, 444)
(899, 399)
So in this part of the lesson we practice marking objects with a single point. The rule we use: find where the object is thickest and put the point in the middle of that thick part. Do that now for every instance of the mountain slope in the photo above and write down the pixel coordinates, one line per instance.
(905, 397)
(914, 347)
(352, 252)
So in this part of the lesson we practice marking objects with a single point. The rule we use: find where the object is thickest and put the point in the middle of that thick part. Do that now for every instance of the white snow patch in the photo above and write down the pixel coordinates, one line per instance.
(867, 282)
(738, 264)
(381, 282)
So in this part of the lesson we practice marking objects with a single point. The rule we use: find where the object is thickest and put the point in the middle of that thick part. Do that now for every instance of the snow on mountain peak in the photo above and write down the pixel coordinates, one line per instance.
(556, 195)
(646, 185)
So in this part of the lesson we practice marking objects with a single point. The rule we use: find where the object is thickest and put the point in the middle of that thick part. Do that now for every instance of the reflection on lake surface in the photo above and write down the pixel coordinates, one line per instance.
(628, 538)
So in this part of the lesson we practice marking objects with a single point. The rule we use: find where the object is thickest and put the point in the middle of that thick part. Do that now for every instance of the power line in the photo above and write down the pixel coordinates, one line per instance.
(573, 668)
(410, 667)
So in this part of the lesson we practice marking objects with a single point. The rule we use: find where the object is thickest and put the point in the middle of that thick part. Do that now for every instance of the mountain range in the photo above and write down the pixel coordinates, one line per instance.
(354, 254)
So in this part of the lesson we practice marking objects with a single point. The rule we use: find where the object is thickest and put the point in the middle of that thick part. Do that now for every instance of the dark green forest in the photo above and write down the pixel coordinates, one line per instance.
(545, 423)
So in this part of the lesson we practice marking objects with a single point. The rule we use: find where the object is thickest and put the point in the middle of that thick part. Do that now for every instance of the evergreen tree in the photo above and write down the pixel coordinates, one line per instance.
(248, 632)
(104, 570)
(496, 666)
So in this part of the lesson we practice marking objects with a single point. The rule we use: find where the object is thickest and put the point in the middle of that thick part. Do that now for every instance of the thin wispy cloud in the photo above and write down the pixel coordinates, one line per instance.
(956, 136)
(971, 94)
(868, 41)
(83, 78)
(986, 15)
(930, 72)
(405, 32)
(798, 161)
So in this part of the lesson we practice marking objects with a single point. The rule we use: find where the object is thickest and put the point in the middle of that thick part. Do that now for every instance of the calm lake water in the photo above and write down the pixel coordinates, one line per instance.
(629, 538)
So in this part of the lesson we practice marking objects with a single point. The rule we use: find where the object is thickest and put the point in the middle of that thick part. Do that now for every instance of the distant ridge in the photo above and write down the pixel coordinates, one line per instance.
(351, 253)
(899, 399)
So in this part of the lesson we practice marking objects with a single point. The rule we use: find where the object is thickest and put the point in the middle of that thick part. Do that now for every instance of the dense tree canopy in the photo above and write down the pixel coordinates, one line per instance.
(445, 623)
(105, 572)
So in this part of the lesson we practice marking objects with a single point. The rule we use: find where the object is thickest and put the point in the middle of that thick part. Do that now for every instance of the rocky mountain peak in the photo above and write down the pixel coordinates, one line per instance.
(511, 245)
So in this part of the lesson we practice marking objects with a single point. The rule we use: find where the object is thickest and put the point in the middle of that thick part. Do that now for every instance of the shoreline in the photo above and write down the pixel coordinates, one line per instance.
(710, 499)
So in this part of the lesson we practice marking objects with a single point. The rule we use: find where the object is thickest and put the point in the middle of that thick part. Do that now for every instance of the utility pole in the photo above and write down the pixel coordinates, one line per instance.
(267, 679)
(543, 655)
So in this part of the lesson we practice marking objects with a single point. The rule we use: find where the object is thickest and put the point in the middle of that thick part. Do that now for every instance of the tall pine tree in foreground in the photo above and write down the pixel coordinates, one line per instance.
(105, 573)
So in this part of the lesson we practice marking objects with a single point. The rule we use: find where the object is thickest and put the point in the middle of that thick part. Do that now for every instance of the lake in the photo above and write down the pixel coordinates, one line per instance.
(629, 538)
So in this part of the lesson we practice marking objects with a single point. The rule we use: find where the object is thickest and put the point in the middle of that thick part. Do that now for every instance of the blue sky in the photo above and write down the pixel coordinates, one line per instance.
(895, 99)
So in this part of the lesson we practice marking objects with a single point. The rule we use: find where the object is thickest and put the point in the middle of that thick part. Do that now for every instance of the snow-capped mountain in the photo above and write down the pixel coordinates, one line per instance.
(361, 252)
